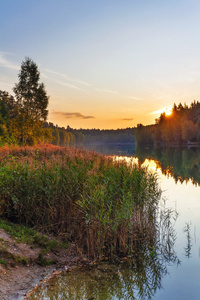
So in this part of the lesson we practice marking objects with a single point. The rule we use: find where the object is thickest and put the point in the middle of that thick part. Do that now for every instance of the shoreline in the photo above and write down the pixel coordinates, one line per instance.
(19, 279)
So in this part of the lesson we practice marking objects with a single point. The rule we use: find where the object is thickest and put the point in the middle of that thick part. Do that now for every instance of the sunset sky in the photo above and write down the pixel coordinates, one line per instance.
(105, 63)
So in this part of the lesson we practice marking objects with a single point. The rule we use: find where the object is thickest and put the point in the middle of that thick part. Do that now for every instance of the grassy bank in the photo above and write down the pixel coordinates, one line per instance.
(101, 205)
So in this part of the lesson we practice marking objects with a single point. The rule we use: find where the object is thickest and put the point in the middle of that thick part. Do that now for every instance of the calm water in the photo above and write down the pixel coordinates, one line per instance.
(173, 275)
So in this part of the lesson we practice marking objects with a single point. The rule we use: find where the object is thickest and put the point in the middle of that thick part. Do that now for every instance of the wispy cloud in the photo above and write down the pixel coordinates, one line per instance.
(164, 97)
(156, 112)
(9, 85)
(106, 91)
(127, 119)
(167, 110)
(134, 98)
(69, 85)
(68, 78)
(43, 75)
(4, 80)
(70, 82)
(6, 63)
(72, 115)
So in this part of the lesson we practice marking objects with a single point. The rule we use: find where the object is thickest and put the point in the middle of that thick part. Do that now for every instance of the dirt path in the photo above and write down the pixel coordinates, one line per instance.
(19, 268)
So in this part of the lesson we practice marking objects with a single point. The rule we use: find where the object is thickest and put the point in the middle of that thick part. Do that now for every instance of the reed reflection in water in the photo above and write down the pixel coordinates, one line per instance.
(136, 277)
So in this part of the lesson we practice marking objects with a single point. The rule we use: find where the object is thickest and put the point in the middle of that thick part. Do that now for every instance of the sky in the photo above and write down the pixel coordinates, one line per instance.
(105, 64)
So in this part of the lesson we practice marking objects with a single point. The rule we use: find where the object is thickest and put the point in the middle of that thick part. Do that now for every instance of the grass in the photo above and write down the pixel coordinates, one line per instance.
(23, 234)
(3, 262)
(101, 205)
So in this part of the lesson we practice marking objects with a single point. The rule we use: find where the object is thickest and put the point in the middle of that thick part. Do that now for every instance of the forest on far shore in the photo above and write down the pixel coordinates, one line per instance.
(19, 130)
(71, 137)
(182, 126)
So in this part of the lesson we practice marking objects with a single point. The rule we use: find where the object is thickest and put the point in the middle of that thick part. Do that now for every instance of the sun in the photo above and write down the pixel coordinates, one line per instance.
(167, 111)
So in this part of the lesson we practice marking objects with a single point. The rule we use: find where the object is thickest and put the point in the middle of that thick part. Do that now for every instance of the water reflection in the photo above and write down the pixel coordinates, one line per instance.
(188, 247)
(113, 149)
(143, 275)
(182, 164)
(135, 277)
(168, 235)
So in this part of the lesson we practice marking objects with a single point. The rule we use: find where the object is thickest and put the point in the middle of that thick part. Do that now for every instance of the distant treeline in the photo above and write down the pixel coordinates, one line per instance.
(17, 129)
(70, 137)
(62, 136)
(23, 117)
(182, 126)
(97, 136)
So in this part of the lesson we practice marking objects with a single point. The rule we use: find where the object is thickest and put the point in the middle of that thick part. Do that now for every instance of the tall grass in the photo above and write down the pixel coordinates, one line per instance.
(102, 205)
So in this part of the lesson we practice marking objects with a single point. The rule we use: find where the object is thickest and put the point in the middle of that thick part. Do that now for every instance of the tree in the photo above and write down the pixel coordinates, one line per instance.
(31, 98)
(56, 137)
(190, 131)
(30, 94)
(8, 107)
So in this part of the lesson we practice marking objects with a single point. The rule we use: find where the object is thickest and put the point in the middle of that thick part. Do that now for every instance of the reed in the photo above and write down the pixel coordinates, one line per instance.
(103, 205)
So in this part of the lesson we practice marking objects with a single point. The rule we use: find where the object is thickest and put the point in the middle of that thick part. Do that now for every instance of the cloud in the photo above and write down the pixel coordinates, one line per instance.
(156, 112)
(74, 80)
(73, 115)
(9, 85)
(106, 91)
(43, 75)
(134, 98)
(166, 110)
(69, 85)
(127, 119)
(164, 97)
(6, 63)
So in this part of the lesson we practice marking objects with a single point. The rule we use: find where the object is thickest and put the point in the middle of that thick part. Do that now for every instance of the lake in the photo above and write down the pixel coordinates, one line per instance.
(175, 272)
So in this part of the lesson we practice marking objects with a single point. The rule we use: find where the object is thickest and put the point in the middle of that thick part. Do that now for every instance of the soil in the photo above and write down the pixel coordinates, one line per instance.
(20, 270)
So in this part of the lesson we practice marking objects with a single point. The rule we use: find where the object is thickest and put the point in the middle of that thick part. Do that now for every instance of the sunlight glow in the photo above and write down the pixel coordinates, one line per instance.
(166, 110)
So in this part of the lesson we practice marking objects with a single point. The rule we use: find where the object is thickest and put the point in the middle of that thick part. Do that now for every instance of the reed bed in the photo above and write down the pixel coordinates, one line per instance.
(102, 205)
